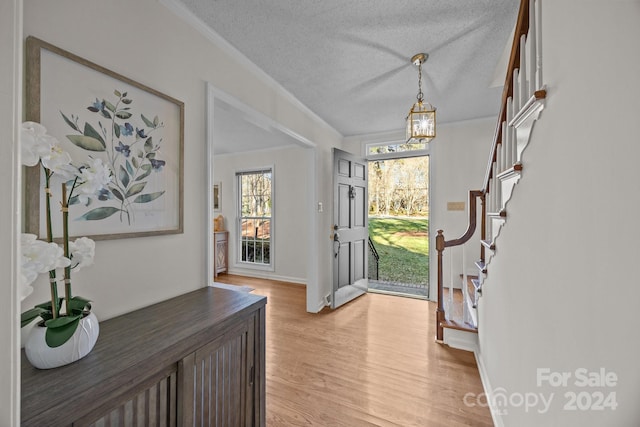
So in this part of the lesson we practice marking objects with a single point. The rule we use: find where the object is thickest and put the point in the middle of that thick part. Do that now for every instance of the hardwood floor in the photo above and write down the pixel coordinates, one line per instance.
(373, 362)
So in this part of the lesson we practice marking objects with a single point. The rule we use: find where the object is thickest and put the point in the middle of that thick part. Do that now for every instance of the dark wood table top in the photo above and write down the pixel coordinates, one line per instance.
(134, 345)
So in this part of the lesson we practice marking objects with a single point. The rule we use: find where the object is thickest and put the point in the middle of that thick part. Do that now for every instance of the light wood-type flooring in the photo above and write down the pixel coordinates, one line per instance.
(372, 362)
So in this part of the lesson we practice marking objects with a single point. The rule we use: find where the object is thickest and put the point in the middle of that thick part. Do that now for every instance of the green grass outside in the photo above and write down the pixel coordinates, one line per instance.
(403, 246)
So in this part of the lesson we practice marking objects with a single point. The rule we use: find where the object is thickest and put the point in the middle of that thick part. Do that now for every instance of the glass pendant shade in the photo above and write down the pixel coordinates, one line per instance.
(421, 123)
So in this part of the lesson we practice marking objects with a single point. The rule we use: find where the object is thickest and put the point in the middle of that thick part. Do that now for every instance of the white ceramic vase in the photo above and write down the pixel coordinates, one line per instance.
(78, 346)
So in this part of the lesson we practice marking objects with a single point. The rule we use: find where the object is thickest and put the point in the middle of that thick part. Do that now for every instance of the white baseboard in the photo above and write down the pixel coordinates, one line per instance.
(488, 390)
(237, 288)
(268, 275)
(318, 307)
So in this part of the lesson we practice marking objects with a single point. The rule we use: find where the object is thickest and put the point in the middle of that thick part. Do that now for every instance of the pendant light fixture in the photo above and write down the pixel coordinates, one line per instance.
(421, 121)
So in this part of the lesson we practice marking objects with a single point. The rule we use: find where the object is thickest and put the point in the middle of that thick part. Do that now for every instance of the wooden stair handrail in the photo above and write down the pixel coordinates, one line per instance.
(441, 243)
(471, 227)
(522, 28)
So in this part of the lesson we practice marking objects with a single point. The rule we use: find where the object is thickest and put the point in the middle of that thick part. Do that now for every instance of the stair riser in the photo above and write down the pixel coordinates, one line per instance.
(461, 340)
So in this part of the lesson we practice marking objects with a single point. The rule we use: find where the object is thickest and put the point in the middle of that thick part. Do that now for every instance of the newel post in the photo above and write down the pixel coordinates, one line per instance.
(440, 309)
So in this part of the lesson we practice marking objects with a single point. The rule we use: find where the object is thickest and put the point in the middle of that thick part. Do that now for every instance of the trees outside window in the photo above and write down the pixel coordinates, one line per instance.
(255, 207)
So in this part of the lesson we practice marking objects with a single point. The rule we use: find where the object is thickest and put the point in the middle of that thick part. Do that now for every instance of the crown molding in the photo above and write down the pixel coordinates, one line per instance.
(180, 10)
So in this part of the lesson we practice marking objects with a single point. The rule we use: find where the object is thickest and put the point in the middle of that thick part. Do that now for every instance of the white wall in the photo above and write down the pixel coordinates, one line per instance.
(292, 230)
(459, 157)
(562, 291)
(10, 102)
(150, 44)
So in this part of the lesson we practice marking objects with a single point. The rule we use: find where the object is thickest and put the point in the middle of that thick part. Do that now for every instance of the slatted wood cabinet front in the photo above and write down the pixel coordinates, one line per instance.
(207, 368)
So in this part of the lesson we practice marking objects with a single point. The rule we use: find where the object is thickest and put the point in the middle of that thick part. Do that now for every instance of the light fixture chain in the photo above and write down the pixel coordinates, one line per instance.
(420, 94)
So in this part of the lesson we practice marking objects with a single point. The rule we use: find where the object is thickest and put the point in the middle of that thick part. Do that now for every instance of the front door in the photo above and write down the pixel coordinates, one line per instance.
(351, 228)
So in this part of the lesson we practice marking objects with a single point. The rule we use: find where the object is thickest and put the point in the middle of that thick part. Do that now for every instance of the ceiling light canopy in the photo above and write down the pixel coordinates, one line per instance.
(421, 121)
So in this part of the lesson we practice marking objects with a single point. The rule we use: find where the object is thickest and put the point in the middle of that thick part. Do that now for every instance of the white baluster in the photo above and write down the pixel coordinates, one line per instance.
(495, 190)
(445, 285)
(523, 71)
(465, 290)
(488, 220)
(516, 92)
(538, 25)
(531, 41)
(498, 199)
(506, 141)
(491, 194)
(514, 141)
(509, 135)
(450, 299)
(503, 148)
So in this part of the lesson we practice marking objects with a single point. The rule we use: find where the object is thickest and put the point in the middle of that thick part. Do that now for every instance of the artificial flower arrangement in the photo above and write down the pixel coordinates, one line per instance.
(61, 315)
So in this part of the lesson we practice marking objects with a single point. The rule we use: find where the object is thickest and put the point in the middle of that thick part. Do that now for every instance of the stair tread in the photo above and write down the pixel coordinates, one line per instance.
(488, 244)
(512, 172)
(456, 309)
(481, 266)
(500, 214)
(460, 326)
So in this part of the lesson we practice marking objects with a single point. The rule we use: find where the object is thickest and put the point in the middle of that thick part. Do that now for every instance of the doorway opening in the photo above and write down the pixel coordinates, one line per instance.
(241, 139)
(399, 226)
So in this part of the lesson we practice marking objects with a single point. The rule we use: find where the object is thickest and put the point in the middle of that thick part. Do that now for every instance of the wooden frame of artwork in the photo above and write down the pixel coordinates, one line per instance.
(137, 131)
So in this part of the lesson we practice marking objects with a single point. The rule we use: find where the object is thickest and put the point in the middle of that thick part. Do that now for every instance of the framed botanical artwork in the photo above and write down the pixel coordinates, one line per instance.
(96, 113)
(217, 196)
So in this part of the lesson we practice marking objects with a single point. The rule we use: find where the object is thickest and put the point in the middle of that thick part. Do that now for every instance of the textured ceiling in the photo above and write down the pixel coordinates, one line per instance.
(349, 60)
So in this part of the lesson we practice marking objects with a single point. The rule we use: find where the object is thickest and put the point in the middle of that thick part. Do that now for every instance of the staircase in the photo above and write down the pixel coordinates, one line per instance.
(523, 99)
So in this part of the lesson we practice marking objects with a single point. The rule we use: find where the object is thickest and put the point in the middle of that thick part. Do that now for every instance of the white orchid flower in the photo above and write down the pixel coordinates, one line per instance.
(34, 143)
(27, 277)
(42, 256)
(92, 177)
(38, 257)
(82, 252)
(59, 162)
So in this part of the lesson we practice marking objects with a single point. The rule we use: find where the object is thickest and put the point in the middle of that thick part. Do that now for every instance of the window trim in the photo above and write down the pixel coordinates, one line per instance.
(396, 155)
(238, 231)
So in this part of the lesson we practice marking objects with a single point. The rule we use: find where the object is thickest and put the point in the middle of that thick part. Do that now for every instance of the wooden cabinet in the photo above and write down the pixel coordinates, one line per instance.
(197, 359)
(218, 381)
(150, 403)
(220, 252)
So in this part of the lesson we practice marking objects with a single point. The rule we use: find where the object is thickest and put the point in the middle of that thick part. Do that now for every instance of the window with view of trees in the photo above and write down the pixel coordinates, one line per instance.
(255, 207)
(399, 186)
(398, 179)
(374, 150)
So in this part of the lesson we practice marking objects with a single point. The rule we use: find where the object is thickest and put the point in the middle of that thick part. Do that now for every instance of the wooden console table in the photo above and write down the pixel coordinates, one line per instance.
(197, 358)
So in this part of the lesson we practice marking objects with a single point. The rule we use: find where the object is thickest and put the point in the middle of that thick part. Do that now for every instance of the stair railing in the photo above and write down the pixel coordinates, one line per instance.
(441, 244)
(376, 258)
(521, 103)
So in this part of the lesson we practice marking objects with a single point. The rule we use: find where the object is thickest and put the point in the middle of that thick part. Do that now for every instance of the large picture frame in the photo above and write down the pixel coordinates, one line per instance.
(97, 113)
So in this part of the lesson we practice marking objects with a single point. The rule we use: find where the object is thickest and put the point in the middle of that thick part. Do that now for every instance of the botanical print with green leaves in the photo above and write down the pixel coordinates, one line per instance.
(127, 140)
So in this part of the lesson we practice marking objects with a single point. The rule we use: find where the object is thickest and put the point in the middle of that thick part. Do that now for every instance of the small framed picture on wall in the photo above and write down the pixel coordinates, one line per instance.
(217, 196)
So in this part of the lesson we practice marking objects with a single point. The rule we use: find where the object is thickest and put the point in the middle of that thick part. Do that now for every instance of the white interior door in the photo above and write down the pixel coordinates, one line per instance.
(351, 228)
